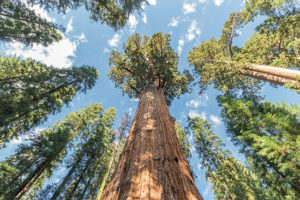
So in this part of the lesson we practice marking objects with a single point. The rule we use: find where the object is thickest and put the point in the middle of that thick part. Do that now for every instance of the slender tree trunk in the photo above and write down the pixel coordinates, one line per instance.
(276, 75)
(152, 164)
(30, 180)
(67, 178)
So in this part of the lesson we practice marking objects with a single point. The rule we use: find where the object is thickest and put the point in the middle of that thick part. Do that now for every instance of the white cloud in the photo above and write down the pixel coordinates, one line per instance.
(199, 166)
(58, 54)
(144, 18)
(239, 32)
(207, 189)
(215, 119)
(194, 103)
(130, 111)
(81, 37)
(105, 50)
(202, 1)
(218, 2)
(69, 26)
(174, 22)
(115, 40)
(152, 2)
(203, 115)
(193, 114)
(180, 46)
(189, 8)
(193, 31)
(132, 22)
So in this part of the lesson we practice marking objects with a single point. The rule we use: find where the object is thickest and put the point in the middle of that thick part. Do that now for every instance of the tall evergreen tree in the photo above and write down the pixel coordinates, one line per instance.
(229, 177)
(124, 126)
(31, 90)
(152, 164)
(269, 136)
(21, 23)
(276, 43)
(34, 161)
(90, 161)
(183, 141)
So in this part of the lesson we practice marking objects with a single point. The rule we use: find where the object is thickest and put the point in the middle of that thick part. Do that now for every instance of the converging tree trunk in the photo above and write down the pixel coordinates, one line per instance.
(276, 75)
(152, 164)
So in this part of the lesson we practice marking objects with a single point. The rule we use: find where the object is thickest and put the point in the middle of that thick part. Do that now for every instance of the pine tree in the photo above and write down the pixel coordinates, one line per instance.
(152, 164)
(269, 136)
(276, 43)
(229, 177)
(124, 126)
(35, 160)
(30, 91)
(89, 162)
(18, 22)
(183, 141)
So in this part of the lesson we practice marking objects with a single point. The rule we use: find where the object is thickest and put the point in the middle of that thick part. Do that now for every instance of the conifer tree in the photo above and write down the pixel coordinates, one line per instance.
(229, 177)
(90, 161)
(269, 136)
(124, 126)
(35, 160)
(183, 141)
(18, 22)
(265, 56)
(31, 90)
(152, 163)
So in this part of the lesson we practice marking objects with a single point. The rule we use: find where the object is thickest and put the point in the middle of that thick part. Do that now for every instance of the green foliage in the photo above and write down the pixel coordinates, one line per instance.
(19, 22)
(229, 177)
(89, 162)
(183, 141)
(146, 61)
(269, 136)
(35, 161)
(276, 42)
(114, 13)
(31, 90)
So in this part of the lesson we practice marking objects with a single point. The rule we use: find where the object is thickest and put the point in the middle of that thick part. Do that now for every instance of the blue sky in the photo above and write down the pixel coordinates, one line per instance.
(88, 43)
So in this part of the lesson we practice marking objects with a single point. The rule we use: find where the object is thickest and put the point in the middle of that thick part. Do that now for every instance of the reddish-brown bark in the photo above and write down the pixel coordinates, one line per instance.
(276, 75)
(152, 164)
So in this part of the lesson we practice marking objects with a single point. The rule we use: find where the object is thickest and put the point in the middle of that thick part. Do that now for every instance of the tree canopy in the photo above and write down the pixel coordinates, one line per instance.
(229, 177)
(19, 22)
(276, 42)
(148, 61)
(30, 91)
(269, 136)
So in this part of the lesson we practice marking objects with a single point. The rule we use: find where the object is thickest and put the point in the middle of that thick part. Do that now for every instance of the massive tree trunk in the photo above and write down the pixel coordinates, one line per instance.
(275, 75)
(152, 164)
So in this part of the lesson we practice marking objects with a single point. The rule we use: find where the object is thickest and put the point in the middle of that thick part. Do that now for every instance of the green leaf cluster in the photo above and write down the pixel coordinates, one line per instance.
(229, 178)
(148, 61)
(31, 90)
(35, 161)
(269, 136)
(220, 63)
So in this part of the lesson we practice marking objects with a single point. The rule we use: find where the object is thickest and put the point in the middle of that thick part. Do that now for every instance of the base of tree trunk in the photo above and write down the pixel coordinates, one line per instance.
(152, 164)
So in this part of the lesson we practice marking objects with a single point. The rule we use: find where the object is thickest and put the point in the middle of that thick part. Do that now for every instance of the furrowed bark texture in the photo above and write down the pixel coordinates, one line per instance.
(152, 164)
(276, 75)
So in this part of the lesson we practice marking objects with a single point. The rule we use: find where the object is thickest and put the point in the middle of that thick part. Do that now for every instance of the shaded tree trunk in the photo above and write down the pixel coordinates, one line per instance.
(67, 177)
(30, 180)
(276, 75)
(152, 164)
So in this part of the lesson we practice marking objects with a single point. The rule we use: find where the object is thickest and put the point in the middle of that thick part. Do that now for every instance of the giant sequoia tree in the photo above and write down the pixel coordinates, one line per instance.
(33, 162)
(265, 56)
(152, 164)
(29, 91)
(269, 136)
